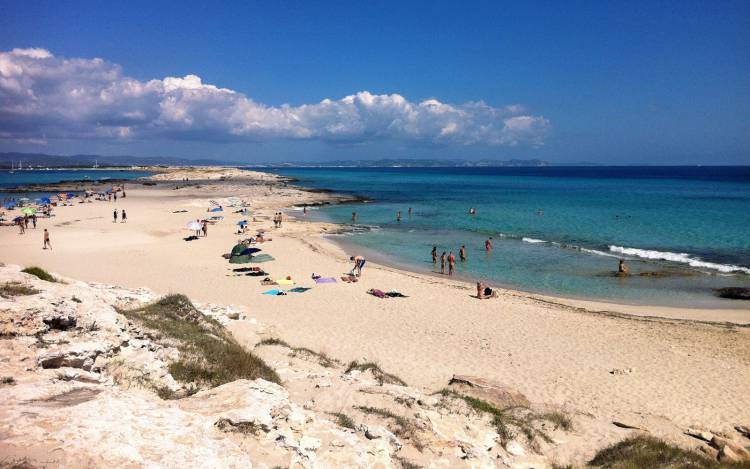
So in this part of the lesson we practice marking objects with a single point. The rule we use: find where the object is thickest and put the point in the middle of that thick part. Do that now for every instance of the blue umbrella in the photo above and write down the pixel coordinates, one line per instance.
(242, 222)
(10, 205)
(18, 219)
(71, 195)
(216, 209)
(45, 200)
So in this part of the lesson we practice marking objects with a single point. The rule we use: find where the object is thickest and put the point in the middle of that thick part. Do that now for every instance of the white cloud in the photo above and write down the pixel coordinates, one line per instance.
(56, 97)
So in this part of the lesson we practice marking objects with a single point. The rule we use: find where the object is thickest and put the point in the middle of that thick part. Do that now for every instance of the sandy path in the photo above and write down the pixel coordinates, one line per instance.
(690, 373)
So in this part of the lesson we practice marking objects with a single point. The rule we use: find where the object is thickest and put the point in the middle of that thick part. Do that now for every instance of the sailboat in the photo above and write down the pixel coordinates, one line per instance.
(11, 168)
(96, 164)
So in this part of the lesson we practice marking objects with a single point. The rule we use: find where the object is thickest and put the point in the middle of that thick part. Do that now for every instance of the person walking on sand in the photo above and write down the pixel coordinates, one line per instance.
(488, 245)
(462, 253)
(33, 220)
(205, 228)
(124, 216)
(46, 240)
(451, 263)
(115, 196)
(442, 263)
(21, 227)
(434, 254)
(26, 221)
(359, 262)
(114, 216)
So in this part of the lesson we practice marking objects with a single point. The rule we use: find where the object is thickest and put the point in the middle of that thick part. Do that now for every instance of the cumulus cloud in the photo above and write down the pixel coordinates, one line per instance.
(43, 96)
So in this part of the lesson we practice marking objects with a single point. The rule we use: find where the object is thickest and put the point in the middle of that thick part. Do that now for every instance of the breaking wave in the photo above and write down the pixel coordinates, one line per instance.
(682, 258)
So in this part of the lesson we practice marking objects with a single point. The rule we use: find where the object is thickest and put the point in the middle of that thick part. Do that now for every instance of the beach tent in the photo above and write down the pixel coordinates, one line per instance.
(28, 211)
(240, 259)
(237, 249)
(194, 225)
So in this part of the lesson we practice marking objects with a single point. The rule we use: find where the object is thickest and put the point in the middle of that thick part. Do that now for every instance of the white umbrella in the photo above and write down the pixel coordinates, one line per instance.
(194, 225)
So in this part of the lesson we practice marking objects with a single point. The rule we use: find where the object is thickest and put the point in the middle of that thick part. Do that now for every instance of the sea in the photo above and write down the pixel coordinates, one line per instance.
(682, 231)
(49, 176)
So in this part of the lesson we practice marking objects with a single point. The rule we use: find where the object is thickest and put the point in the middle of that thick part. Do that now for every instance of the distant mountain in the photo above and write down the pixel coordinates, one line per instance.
(8, 160)
(403, 163)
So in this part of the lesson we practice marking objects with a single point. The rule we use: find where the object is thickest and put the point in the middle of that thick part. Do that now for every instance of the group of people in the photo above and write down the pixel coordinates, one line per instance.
(123, 216)
(278, 217)
(23, 223)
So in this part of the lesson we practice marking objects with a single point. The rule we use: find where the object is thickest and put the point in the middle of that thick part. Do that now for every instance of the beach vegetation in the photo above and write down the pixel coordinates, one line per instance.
(510, 420)
(16, 463)
(405, 463)
(343, 420)
(209, 354)
(10, 289)
(247, 428)
(381, 376)
(402, 427)
(40, 273)
(641, 451)
(323, 359)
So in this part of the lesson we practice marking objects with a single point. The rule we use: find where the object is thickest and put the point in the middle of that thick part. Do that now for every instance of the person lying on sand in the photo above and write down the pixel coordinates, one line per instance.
(484, 292)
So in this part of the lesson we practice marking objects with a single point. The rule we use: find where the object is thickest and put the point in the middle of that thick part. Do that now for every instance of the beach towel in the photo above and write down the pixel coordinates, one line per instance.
(261, 258)
(247, 269)
(284, 281)
(325, 280)
(299, 289)
(274, 292)
(376, 292)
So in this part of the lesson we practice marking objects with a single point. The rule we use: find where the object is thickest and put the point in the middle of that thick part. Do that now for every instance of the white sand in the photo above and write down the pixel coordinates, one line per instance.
(555, 351)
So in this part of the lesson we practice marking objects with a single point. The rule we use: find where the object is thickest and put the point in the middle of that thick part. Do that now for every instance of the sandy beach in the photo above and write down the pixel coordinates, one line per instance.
(661, 368)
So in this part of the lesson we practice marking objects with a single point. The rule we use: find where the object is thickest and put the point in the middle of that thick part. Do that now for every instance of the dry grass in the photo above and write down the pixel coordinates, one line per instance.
(11, 289)
(644, 451)
(209, 355)
(510, 420)
(403, 426)
(247, 428)
(323, 359)
(40, 273)
(343, 420)
(375, 369)
(15, 463)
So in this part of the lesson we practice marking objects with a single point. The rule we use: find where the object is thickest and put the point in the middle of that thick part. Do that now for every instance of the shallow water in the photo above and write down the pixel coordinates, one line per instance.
(25, 177)
(558, 230)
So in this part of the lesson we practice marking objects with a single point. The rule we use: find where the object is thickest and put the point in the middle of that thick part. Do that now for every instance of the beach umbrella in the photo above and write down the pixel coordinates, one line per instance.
(18, 219)
(71, 195)
(10, 205)
(242, 222)
(194, 225)
(45, 200)
(28, 211)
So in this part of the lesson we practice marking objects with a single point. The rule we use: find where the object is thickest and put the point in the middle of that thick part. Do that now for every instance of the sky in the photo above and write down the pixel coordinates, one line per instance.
(619, 82)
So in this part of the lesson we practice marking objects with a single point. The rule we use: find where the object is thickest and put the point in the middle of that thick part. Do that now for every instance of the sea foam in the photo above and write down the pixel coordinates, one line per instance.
(682, 258)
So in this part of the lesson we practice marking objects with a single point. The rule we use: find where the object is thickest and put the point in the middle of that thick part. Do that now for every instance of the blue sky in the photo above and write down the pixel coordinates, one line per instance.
(610, 82)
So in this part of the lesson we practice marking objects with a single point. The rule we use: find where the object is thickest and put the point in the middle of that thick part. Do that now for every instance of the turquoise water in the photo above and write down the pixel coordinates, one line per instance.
(557, 230)
(25, 177)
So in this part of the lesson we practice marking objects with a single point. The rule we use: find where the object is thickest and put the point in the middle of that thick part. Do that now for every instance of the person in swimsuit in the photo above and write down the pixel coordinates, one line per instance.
(434, 254)
(462, 253)
(46, 240)
(442, 263)
(114, 216)
(484, 292)
(488, 245)
(124, 216)
(451, 263)
(359, 262)
(623, 269)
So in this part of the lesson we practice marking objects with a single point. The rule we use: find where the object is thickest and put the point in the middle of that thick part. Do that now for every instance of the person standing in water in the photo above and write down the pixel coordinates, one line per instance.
(46, 240)
(451, 263)
(462, 253)
(622, 269)
(488, 244)
(442, 263)
(409, 211)
(398, 215)
(354, 217)
(434, 254)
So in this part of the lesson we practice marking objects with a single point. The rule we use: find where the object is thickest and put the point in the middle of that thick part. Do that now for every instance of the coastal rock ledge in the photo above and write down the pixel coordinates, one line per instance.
(85, 384)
